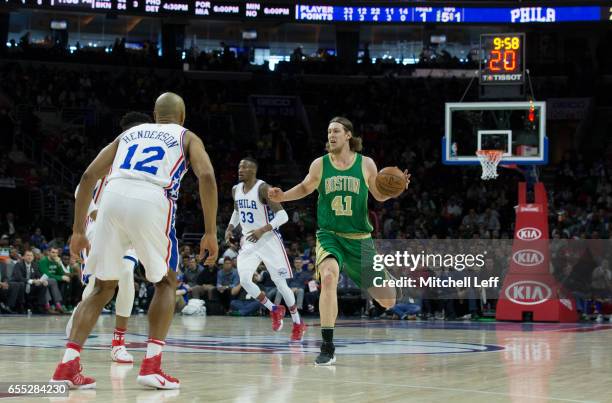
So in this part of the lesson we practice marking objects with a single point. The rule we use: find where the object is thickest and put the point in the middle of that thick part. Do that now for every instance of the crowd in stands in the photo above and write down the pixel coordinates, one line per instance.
(397, 126)
(41, 276)
(227, 57)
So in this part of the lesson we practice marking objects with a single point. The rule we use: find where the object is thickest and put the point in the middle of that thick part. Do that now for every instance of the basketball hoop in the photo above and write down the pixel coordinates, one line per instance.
(489, 159)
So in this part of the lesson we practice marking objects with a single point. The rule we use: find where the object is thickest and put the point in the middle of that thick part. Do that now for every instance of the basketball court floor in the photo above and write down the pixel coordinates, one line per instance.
(228, 359)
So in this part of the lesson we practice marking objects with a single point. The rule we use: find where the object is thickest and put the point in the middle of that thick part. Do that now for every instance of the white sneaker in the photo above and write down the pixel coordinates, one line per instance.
(120, 354)
(69, 324)
(599, 318)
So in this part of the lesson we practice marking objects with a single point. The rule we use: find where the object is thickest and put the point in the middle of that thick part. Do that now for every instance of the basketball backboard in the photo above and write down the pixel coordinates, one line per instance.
(518, 129)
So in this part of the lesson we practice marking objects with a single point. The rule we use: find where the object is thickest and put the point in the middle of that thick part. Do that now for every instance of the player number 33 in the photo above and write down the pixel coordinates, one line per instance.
(247, 217)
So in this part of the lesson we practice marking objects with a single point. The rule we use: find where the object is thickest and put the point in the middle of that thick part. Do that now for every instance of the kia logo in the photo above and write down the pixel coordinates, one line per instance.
(528, 292)
(528, 257)
(529, 234)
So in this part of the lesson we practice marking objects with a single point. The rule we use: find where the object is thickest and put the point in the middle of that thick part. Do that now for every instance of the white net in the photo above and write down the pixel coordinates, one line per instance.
(489, 159)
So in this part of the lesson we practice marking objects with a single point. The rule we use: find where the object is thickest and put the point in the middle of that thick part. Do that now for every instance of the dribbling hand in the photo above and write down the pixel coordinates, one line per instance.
(209, 244)
(276, 195)
(78, 242)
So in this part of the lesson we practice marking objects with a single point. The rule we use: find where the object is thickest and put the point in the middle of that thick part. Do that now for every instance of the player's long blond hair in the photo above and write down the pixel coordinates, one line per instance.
(355, 143)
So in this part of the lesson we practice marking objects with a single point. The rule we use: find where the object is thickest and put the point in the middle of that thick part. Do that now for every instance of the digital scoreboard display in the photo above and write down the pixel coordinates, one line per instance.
(502, 59)
(285, 11)
(225, 9)
(393, 13)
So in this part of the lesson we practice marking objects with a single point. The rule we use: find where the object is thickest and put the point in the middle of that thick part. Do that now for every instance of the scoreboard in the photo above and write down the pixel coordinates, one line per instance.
(503, 59)
(285, 11)
(450, 15)
(238, 9)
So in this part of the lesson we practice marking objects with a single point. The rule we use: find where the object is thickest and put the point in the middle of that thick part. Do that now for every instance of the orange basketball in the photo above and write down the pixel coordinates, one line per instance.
(391, 181)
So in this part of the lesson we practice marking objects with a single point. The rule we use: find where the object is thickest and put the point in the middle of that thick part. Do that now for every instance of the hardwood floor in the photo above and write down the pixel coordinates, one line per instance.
(227, 359)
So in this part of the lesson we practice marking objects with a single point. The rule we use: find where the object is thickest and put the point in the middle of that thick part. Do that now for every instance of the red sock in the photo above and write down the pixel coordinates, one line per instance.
(74, 346)
(119, 337)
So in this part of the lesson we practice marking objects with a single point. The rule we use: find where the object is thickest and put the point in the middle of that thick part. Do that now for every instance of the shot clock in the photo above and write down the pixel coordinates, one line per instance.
(502, 59)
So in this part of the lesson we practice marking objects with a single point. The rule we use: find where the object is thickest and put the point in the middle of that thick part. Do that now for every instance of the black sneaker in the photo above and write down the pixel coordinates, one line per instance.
(326, 356)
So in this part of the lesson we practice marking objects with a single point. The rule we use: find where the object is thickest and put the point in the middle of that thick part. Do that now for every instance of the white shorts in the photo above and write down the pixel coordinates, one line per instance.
(270, 250)
(134, 214)
(130, 259)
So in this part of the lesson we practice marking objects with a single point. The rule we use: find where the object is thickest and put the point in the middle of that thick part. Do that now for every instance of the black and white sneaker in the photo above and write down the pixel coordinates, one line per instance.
(326, 357)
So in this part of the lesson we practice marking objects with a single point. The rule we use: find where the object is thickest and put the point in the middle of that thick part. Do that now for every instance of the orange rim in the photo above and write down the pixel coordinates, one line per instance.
(491, 155)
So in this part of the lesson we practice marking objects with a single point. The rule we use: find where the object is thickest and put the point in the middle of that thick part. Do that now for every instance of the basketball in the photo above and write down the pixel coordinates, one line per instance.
(391, 181)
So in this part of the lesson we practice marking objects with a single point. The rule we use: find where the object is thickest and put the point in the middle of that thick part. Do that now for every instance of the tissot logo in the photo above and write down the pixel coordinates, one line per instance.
(528, 257)
(528, 292)
(529, 234)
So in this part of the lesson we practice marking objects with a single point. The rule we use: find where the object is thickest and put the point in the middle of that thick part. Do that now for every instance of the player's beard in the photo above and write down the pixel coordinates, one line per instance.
(336, 148)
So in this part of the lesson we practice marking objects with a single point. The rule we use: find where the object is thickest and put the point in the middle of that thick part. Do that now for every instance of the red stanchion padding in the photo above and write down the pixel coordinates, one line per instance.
(529, 290)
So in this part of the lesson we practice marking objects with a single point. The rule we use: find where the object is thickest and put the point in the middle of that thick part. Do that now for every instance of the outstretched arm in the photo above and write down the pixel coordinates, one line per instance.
(203, 169)
(303, 189)
(280, 215)
(370, 172)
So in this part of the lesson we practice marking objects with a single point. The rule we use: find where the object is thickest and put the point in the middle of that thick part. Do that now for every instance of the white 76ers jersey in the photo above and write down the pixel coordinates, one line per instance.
(153, 153)
(252, 212)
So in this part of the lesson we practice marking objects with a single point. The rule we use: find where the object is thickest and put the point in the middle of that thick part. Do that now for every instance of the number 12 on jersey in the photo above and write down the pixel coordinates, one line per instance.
(156, 154)
(342, 205)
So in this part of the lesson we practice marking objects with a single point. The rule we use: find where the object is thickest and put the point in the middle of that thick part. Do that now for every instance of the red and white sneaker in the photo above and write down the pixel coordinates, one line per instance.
(152, 376)
(70, 372)
(277, 316)
(297, 333)
(120, 354)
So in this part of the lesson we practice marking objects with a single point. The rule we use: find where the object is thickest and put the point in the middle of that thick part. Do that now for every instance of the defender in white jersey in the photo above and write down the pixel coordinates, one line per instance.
(137, 208)
(259, 220)
(125, 293)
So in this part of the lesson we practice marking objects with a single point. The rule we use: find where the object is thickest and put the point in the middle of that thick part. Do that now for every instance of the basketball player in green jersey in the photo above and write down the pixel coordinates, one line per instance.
(343, 178)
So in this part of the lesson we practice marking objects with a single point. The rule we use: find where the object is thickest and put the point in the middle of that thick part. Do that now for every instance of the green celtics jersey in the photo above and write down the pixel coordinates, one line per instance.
(343, 198)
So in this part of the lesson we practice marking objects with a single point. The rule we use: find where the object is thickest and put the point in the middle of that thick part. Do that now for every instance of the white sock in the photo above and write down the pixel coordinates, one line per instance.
(267, 303)
(70, 354)
(295, 315)
(154, 347)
